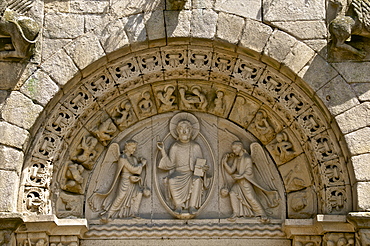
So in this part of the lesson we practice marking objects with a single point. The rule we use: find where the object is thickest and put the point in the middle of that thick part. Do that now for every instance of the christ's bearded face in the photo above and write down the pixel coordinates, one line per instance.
(184, 130)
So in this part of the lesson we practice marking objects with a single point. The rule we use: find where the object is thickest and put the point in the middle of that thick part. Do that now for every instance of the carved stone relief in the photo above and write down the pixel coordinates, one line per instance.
(334, 239)
(18, 32)
(70, 205)
(107, 114)
(302, 204)
(307, 241)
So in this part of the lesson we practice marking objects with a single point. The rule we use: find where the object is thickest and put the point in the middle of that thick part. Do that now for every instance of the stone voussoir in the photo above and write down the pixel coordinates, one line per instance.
(229, 27)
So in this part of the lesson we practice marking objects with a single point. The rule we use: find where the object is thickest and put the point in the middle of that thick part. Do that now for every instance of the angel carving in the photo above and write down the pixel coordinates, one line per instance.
(123, 197)
(23, 31)
(353, 19)
(251, 182)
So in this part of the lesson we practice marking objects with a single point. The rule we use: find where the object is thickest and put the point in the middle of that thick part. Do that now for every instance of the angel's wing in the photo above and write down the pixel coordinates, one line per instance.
(20, 6)
(107, 169)
(362, 9)
(262, 167)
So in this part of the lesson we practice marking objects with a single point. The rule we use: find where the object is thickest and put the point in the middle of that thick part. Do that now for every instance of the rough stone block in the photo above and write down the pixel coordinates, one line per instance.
(20, 110)
(338, 96)
(203, 23)
(360, 165)
(40, 87)
(354, 72)
(255, 35)
(60, 67)
(299, 56)
(128, 7)
(279, 45)
(155, 25)
(362, 91)
(11, 159)
(12, 135)
(251, 8)
(229, 27)
(88, 6)
(363, 196)
(51, 46)
(358, 141)
(135, 28)
(319, 72)
(285, 10)
(9, 182)
(202, 4)
(303, 29)
(355, 118)
(85, 50)
(112, 36)
(177, 23)
(71, 24)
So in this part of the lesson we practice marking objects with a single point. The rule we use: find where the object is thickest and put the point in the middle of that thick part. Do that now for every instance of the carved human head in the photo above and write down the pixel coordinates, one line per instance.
(184, 130)
(237, 147)
(130, 146)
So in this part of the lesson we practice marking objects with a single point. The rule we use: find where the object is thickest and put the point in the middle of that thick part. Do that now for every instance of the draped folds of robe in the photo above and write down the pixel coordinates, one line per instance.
(181, 161)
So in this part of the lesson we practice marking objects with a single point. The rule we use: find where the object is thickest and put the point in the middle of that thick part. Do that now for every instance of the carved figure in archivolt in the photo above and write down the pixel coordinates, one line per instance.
(123, 114)
(252, 182)
(146, 104)
(124, 196)
(187, 169)
(85, 152)
(220, 105)
(193, 98)
(167, 98)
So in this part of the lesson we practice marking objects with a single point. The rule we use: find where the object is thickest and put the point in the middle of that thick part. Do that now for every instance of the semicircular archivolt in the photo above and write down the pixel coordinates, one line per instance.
(274, 108)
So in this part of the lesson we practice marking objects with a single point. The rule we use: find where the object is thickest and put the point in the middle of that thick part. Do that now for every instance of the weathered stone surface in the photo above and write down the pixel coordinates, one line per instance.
(363, 196)
(338, 96)
(12, 135)
(358, 141)
(60, 67)
(177, 23)
(360, 165)
(303, 29)
(348, 123)
(155, 25)
(279, 45)
(40, 88)
(3, 96)
(251, 9)
(71, 24)
(354, 72)
(51, 46)
(318, 73)
(112, 36)
(229, 27)
(203, 23)
(14, 73)
(362, 91)
(299, 56)
(11, 159)
(284, 10)
(9, 182)
(129, 7)
(85, 50)
(56, 6)
(255, 35)
(90, 7)
(20, 110)
(135, 28)
(202, 4)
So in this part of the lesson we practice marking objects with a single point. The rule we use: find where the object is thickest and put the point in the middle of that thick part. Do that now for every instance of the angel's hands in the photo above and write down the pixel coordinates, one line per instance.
(225, 158)
(143, 161)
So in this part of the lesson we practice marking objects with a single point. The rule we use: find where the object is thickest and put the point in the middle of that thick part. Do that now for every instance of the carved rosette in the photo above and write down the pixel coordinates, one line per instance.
(116, 100)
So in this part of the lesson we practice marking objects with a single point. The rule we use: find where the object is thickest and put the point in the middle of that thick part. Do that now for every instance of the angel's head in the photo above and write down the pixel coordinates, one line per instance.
(237, 147)
(130, 147)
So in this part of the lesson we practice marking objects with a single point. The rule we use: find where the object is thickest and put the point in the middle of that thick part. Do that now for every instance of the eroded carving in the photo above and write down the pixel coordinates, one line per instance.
(123, 114)
(22, 30)
(85, 152)
(339, 239)
(124, 196)
(105, 131)
(352, 19)
(262, 127)
(74, 178)
(284, 148)
(167, 98)
(187, 176)
(193, 98)
(70, 205)
(146, 104)
(243, 192)
(302, 204)
(36, 200)
(307, 240)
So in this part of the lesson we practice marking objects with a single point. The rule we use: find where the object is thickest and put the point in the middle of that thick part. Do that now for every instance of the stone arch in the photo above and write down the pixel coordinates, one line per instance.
(272, 60)
(290, 109)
